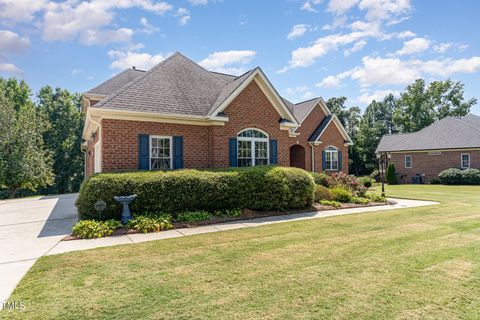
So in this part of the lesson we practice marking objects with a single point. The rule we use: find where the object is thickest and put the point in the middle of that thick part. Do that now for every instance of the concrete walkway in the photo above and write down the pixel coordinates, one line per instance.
(31, 228)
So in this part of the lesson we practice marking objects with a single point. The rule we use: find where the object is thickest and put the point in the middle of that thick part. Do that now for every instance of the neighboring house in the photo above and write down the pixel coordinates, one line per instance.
(179, 115)
(453, 142)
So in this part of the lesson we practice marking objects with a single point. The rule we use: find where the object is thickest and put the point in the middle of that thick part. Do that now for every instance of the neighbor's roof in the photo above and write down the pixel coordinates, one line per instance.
(178, 85)
(115, 83)
(447, 133)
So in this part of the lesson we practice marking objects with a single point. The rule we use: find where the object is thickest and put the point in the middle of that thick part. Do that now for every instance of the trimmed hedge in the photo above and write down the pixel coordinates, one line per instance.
(458, 176)
(257, 188)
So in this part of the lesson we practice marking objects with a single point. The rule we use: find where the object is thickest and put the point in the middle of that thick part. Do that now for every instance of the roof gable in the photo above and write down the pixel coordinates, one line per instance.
(447, 133)
(113, 84)
(331, 118)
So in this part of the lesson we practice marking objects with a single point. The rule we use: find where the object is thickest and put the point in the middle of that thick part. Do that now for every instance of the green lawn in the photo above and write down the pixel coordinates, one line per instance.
(406, 264)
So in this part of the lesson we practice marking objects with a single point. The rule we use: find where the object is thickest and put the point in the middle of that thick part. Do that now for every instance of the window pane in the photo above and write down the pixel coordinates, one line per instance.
(252, 134)
(261, 149)
(244, 162)
(261, 162)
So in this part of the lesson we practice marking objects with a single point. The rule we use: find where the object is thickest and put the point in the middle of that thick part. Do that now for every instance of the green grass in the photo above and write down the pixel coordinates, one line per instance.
(418, 263)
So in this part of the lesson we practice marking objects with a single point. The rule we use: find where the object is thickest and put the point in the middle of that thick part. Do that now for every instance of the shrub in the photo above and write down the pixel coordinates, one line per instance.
(194, 216)
(322, 179)
(89, 229)
(343, 180)
(391, 176)
(375, 197)
(375, 175)
(257, 188)
(360, 200)
(341, 195)
(113, 224)
(150, 224)
(366, 182)
(228, 213)
(435, 181)
(331, 203)
(361, 191)
(458, 176)
(322, 193)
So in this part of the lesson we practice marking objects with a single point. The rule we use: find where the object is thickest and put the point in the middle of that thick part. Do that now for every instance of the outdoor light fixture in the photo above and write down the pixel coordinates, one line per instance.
(382, 162)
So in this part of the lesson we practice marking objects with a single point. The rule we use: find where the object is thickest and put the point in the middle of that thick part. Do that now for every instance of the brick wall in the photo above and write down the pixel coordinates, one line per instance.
(207, 146)
(331, 137)
(430, 165)
(250, 109)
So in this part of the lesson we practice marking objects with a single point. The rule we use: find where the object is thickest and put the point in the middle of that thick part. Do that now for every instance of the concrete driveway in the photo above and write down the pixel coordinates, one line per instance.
(29, 229)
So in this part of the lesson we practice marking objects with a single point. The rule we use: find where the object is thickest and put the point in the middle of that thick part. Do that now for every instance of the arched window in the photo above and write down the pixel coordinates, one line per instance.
(252, 148)
(331, 158)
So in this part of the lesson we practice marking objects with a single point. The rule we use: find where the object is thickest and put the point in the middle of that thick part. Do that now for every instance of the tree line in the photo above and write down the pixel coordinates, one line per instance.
(40, 139)
(417, 107)
(41, 135)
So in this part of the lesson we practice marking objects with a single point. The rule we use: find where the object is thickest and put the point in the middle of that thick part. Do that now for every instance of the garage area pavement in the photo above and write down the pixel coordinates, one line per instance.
(31, 228)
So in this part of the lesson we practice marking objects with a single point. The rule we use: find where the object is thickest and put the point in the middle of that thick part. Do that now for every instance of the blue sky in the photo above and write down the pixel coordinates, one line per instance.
(361, 49)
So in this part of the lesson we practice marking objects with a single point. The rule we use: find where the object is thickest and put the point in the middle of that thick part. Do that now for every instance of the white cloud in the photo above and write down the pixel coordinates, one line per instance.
(329, 82)
(198, 2)
(406, 34)
(338, 21)
(384, 9)
(378, 95)
(147, 27)
(231, 62)
(90, 21)
(10, 68)
(124, 60)
(298, 30)
(308, 5)
(13, 11)
(394, 71)
(302, 92)
(415, 45)
(356, 47)
(442, 47)
(183, 16)
(11, 42)
(76, 72)
(340, 6)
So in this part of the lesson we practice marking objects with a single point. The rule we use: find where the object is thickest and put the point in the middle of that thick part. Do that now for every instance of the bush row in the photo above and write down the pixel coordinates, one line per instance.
(458, 176)
(258, 188)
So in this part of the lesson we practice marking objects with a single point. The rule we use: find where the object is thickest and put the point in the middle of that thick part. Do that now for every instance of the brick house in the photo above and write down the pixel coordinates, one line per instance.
(452, 142)
(179, 115)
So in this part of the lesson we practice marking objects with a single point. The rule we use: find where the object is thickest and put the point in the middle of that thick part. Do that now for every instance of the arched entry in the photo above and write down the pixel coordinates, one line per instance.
(297, 156)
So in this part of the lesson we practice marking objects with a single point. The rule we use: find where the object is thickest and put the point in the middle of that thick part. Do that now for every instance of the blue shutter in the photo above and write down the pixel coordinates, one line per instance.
(232, 152)
(324, 161)
(178, 152)
(339, 160)
(143, 151)
(273, 151)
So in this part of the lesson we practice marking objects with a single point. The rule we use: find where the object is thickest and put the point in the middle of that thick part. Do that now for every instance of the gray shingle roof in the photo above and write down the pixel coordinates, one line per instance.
(321, 127)
(447, 133)
(176, 85)
(301, 109)
(117, 82)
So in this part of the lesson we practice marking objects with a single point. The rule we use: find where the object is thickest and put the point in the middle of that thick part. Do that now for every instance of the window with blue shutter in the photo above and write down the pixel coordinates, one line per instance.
(143, 152)
(178, 152)
(232, 152)
(273, 152)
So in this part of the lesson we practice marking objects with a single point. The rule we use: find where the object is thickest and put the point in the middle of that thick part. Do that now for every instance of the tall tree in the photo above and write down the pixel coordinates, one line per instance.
(421, 105)
(63, 138)
(24, 163)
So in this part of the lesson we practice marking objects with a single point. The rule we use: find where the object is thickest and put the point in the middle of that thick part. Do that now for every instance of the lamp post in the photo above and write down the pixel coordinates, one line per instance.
(382, 161)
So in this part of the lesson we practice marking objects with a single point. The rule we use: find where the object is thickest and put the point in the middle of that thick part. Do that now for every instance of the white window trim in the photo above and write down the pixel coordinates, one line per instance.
(252, 146)
(411, 161)
(97, 158)
(331, 162)
(150, 150)
(461, 160)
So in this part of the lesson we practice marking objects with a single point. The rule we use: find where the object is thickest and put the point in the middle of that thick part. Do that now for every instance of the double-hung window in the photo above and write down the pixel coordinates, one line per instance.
(465, 161)
(160, 153)
(253, 148)
(408, 161)
(331, 158)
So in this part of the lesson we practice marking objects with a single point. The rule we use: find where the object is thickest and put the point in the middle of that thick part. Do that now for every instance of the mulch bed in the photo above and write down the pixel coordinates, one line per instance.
(247, 215)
